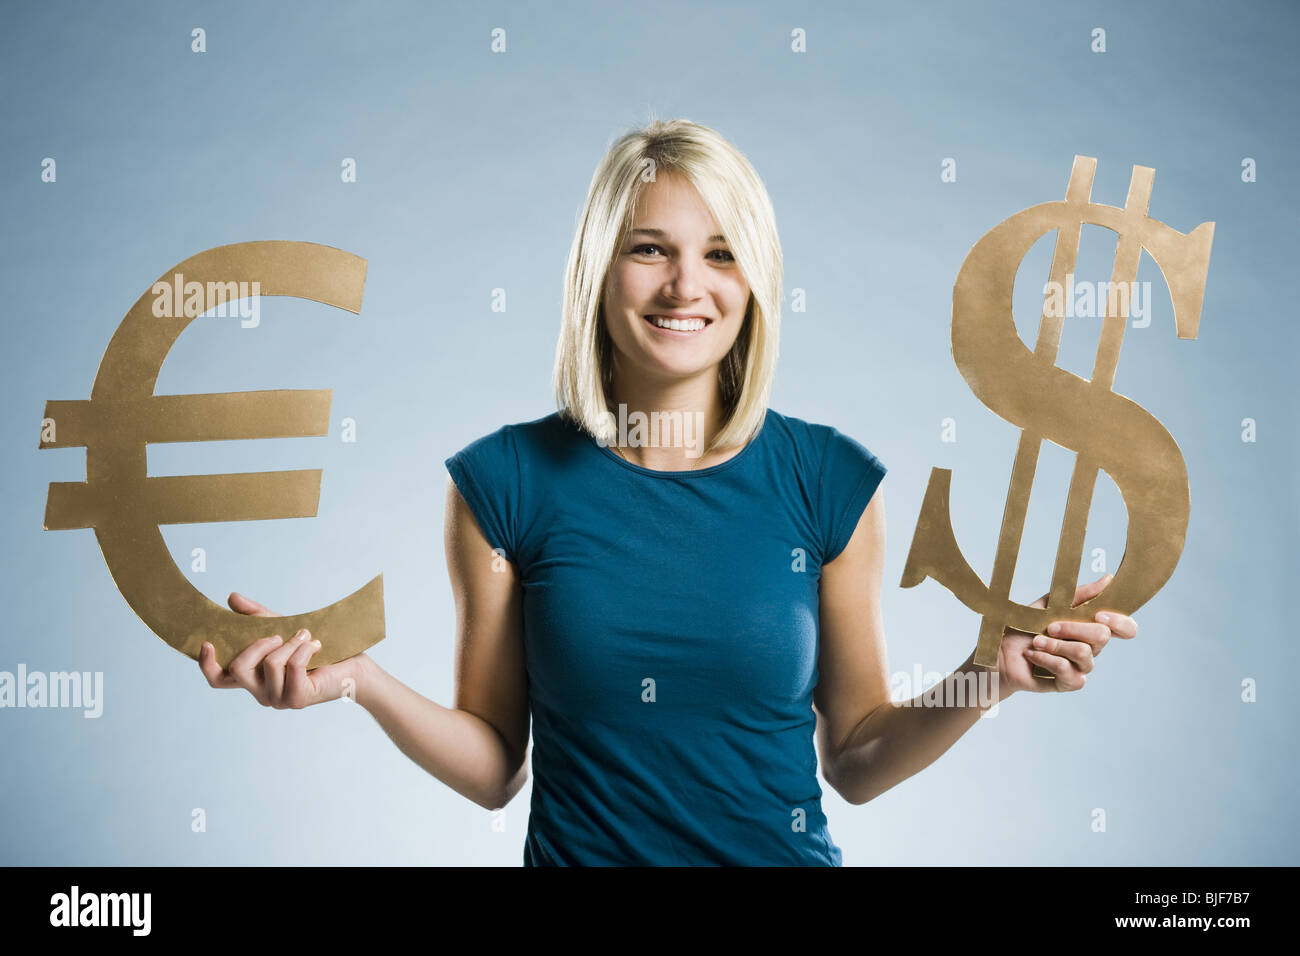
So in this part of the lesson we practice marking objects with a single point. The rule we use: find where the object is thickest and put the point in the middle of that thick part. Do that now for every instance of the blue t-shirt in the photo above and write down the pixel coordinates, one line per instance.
(671, 637)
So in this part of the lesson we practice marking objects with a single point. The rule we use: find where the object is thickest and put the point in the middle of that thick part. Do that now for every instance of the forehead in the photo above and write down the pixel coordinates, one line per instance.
(672, 200)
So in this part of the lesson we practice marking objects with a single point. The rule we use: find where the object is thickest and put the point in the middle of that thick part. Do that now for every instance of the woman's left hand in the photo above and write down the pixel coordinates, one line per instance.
(1068, 650)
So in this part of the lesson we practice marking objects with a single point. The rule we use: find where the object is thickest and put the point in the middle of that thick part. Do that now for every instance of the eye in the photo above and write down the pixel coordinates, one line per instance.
(645, 249)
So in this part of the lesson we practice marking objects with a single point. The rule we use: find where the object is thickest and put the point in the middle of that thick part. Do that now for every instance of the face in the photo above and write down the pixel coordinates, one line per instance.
(674, 269)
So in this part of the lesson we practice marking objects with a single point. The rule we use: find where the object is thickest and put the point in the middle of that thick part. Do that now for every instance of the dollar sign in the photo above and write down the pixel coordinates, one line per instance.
(125, 506)
(1107, 431)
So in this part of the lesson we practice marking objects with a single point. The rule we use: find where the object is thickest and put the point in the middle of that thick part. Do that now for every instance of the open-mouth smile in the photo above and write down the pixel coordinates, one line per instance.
(683, 327)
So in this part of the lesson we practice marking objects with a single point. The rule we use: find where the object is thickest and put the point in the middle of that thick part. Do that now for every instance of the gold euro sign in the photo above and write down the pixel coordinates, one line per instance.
(125, 506)
(1106, 430)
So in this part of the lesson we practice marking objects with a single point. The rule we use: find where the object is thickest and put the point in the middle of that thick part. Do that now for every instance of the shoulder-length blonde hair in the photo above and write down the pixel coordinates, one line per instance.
(738, 200)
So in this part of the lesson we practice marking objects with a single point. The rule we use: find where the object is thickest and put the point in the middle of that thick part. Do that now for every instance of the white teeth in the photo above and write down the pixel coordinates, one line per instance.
(678, 325)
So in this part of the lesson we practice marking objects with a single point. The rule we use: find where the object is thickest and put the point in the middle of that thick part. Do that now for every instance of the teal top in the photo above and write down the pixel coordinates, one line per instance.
(671, 637)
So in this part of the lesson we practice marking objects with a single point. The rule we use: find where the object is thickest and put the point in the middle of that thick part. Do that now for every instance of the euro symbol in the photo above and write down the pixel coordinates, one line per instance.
(126, 507)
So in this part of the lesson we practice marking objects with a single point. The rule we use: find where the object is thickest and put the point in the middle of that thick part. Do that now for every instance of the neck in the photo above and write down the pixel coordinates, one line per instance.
(677, 420)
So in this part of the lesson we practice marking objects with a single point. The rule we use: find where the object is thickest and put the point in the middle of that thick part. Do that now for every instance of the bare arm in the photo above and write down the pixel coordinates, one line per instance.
(479, 747)
(867, 745)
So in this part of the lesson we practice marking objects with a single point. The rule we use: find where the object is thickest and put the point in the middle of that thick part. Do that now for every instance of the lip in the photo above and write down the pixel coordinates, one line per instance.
(674, 332)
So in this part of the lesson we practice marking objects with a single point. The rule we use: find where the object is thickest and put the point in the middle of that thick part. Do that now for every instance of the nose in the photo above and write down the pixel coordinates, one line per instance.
(686, 280)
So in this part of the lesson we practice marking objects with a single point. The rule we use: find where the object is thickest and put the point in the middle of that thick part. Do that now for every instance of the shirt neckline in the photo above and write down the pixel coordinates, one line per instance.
(689, 473)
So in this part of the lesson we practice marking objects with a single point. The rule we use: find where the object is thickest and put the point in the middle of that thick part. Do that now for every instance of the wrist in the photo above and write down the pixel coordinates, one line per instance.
(361, 672)
(1005, 687)
(991, 675)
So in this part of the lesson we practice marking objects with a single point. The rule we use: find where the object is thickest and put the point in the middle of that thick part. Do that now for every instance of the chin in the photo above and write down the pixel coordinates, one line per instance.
(681, 370)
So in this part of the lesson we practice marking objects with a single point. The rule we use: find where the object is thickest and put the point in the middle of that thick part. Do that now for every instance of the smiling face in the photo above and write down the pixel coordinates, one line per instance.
(674, 299)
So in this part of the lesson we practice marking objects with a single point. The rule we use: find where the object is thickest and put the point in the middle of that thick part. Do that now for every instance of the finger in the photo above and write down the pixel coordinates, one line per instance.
(1079, 652)
(1067, 676)
(1120, 625)
(245, 667)
(216, 675)
(299, 688)
(1093, 633)
(245, 605)
(273, 668)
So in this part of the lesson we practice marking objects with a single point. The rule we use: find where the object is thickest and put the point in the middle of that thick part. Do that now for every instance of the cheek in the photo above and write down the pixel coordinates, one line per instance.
(633, 287)
(609, 297)
(739, 302)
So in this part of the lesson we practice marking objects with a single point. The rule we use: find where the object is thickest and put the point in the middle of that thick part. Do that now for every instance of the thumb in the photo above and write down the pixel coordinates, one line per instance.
(1091, 589)
(246, 605)
(1082, 593)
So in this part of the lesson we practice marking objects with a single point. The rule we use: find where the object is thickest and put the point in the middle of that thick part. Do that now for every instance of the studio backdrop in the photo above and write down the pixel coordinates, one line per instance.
(450, 147)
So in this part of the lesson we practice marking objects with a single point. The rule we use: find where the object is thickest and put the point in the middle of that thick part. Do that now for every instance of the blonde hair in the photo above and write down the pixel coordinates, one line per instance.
(738, 200)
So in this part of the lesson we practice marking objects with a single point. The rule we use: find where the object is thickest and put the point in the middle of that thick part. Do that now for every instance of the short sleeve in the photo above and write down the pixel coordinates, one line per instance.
(486, 473)
(850, 474)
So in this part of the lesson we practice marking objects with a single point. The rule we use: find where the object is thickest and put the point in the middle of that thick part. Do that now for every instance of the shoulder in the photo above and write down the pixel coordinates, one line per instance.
(515, 437)
(493, 473)
(842, 476)
(521, 452)
(823, 444)
(545, 431)
(795, 436)
(545, 446)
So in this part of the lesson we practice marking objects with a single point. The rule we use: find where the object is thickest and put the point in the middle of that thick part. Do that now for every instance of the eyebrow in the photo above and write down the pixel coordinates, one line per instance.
(659, 233)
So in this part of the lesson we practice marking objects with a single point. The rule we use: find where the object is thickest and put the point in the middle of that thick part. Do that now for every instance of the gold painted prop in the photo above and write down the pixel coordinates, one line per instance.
(1106, 430)
(125, 507)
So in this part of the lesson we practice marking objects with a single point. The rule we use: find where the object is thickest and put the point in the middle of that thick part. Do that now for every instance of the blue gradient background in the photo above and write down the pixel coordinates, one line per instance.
(471, 170)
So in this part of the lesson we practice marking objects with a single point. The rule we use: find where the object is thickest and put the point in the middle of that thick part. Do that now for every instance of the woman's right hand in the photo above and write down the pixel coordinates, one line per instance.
(275, 671)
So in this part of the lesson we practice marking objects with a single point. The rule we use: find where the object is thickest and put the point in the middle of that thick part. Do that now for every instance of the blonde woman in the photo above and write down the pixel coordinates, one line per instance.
(678, 584)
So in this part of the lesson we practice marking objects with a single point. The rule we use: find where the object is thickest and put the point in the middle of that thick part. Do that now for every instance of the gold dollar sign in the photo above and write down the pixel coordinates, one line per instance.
(125, 506)
(1107, 431)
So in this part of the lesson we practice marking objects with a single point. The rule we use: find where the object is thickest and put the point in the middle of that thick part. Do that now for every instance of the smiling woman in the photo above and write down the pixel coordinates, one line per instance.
(641, 311)
(677, 227)
(681, 634)
(670, 600)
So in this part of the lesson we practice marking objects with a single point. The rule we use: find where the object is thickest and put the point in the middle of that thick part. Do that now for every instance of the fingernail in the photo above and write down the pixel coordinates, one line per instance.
(316, 644)
(1103, 617)
(301, 635)
(1108, 578)
(1040, 641)
(1053, 628)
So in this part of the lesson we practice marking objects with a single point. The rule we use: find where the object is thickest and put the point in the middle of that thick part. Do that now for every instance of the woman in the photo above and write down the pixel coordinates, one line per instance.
(680, 585)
